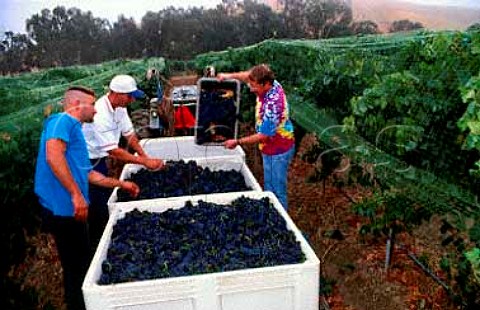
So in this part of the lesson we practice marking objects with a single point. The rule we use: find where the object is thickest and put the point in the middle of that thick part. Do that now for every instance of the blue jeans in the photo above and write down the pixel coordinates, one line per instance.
(275, 169)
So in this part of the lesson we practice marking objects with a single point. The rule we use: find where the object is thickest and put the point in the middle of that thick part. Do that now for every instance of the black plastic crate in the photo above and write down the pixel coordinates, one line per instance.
(217, 110)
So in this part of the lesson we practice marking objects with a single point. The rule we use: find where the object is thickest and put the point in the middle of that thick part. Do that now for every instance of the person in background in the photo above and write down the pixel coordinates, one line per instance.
(62, 176)
(110, 123)
(274, 129)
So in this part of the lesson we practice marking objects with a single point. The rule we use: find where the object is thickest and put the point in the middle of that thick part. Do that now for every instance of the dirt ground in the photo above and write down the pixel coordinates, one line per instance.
(352, 268)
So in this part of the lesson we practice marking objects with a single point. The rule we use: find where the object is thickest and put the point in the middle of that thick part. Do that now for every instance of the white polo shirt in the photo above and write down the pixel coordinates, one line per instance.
(108, 126)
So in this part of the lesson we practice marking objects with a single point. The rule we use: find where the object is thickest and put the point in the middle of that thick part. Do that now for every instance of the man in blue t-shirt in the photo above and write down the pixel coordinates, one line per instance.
(63, 172)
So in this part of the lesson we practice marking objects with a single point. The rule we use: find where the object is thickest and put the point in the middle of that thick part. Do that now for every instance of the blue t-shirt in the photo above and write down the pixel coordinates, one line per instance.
(52, 194)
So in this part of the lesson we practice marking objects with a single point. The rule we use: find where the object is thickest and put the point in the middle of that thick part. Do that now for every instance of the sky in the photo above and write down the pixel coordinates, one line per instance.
(466, 3)
(14, 13)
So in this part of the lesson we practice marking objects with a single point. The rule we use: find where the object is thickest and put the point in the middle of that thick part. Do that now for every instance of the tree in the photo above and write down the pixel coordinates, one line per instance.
(89, 34)
(257, 23)
(293, 17)
(65, 37)
(474, 27)
(14, 52)
(218, 29)
(405, 25)
(126, 39)
(42, 28)
(179, 29)
(326, 19)
(151, 27)
(365, 27)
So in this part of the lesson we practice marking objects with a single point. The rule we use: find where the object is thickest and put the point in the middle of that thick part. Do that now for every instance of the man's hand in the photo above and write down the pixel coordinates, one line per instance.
(80, 207)
(154, 163)
(230, 144)
(131, 188)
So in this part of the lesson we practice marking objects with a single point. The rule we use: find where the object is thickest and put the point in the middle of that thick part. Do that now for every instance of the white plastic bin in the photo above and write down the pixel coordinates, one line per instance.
(214, 163)
(176, 148)
(285, 287)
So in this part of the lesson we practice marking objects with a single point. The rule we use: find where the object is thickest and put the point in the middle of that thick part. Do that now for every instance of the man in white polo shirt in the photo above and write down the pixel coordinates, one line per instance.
(103, 136)
(112, 121)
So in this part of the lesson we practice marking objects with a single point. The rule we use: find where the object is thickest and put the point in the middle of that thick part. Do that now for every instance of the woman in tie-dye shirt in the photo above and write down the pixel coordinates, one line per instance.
(274, 130)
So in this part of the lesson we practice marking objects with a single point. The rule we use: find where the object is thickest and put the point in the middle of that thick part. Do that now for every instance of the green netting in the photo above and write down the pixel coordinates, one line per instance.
(296, 62)
(24, 97)
(37, 90)
(423, 186)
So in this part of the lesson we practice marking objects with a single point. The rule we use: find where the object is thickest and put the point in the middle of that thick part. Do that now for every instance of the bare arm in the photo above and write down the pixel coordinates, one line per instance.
(99, 179)
(125, 156)
(55, 153)
(132, 141)
(252, 139)
(242, 76)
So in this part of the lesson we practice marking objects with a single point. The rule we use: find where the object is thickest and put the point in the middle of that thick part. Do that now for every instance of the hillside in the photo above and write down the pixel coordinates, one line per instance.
(431, 16)
(434, 17)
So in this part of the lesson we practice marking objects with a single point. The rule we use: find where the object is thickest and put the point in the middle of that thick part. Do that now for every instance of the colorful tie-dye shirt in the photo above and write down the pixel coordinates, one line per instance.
(272, 120)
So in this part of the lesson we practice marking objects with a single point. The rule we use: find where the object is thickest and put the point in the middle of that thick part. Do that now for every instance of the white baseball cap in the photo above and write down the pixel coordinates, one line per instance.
(125, 84)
